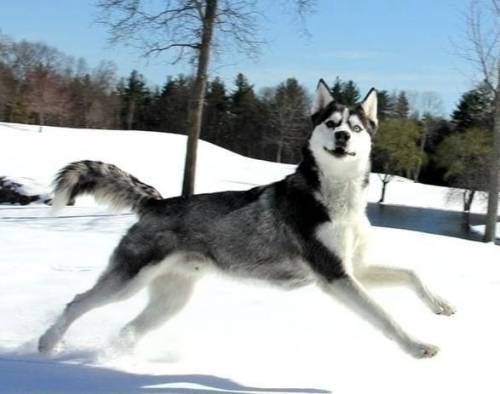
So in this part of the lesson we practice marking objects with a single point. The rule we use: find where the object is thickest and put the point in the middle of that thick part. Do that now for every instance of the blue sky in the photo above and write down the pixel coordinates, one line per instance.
(388, 44)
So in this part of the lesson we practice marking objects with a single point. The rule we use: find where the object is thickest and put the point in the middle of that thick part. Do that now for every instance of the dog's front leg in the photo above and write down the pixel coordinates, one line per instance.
(379, 275)
(350, 293)
(387, 276)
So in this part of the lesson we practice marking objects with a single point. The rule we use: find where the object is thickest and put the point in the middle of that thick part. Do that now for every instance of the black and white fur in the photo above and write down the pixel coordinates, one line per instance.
(310, 227)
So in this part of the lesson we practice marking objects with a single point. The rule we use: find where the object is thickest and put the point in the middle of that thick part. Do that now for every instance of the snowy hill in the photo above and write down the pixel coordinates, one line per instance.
(158, 159)
(233, 337)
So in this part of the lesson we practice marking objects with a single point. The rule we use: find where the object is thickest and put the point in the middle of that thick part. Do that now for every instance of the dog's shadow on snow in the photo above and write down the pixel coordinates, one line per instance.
(21, 373)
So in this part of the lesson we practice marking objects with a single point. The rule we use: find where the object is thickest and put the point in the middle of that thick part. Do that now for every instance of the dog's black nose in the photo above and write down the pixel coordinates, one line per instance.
(341, 137)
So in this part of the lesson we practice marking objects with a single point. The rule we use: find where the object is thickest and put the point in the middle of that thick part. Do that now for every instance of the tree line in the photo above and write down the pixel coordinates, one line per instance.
(39, 84)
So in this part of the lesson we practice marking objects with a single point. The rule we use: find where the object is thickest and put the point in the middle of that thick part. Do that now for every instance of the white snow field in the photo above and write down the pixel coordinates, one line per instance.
(233, 337)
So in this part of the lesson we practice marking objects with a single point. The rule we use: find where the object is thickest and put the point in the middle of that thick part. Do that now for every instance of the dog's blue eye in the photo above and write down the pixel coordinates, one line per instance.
(357, 129)
(330, 124)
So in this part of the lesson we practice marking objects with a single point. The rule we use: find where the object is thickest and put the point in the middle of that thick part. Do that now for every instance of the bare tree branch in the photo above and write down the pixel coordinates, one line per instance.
(193, 30)
(482, 41)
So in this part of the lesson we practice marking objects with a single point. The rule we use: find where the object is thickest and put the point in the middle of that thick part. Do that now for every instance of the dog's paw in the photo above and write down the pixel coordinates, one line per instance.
(441, 307)
(422, 350)
(48, 342)
(125, 342)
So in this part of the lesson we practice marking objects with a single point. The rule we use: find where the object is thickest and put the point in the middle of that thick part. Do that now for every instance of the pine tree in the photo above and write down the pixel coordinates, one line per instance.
(346, 93)
(384, 105)
(174, 103)
(475, 109)
(337, 90)
(243, 95)
(245, 116)
(401, 107)
(134, 95)
(350, 93)
(216, 119)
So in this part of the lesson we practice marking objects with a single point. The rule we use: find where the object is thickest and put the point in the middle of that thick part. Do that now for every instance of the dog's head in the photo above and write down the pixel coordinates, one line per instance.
(342, 135)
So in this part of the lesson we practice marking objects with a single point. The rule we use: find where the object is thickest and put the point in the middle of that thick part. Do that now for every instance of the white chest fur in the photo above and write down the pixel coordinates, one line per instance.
(347, 230)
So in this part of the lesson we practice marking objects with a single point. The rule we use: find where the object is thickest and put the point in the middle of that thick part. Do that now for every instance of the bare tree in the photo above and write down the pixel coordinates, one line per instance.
(288, 116)
(189, 30)
(7, 83)
(45, 95)
(24, 60)
(100, 106)
(483, 51)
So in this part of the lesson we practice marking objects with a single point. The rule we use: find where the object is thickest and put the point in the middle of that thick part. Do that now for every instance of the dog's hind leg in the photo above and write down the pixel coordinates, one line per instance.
(168, 294)
(381, 275)
(109, 288)
(350, 293)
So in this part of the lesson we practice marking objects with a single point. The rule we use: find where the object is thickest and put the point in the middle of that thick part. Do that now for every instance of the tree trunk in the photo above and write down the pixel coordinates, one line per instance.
(197, 98)
(423, 140)
(468, 198)
(279, 151)
(384, 185)
(41, 120)
(494, 187)
(130, 113)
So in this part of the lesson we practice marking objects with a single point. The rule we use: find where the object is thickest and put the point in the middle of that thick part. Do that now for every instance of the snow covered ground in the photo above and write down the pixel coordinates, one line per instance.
(232, 337)
(158, 158)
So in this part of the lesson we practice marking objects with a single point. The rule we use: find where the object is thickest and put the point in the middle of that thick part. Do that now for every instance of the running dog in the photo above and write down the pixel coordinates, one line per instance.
(310, 227)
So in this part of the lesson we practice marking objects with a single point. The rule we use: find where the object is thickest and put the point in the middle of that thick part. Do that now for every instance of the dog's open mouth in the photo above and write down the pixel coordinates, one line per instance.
(339, 152)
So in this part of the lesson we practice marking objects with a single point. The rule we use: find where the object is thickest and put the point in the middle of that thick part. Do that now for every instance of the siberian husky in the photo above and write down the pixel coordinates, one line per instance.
(310, 227)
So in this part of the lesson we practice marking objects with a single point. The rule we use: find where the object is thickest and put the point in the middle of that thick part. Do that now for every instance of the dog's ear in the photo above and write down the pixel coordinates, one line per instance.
(369, 105)
(323, 97)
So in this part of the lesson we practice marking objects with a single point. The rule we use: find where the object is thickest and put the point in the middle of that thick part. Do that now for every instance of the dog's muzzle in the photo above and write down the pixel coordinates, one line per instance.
(341, 138)
(339, 152)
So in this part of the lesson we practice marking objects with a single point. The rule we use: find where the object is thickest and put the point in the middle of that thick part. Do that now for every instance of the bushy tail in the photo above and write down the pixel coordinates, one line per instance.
(106, 182)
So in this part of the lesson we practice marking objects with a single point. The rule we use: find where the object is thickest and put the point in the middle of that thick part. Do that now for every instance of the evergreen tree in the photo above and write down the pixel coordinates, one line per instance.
(350, 93)
(216, 118)
(474, 110)
(401, 106)
(245, 116)
(337, 90)
(135, 93)
(384, 105)
(346, 93)
(174, 104)
(243, 95)
(437, 129)
(151, 113)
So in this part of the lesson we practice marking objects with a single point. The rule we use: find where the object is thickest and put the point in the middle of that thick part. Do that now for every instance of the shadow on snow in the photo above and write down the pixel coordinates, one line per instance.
(35, 374)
